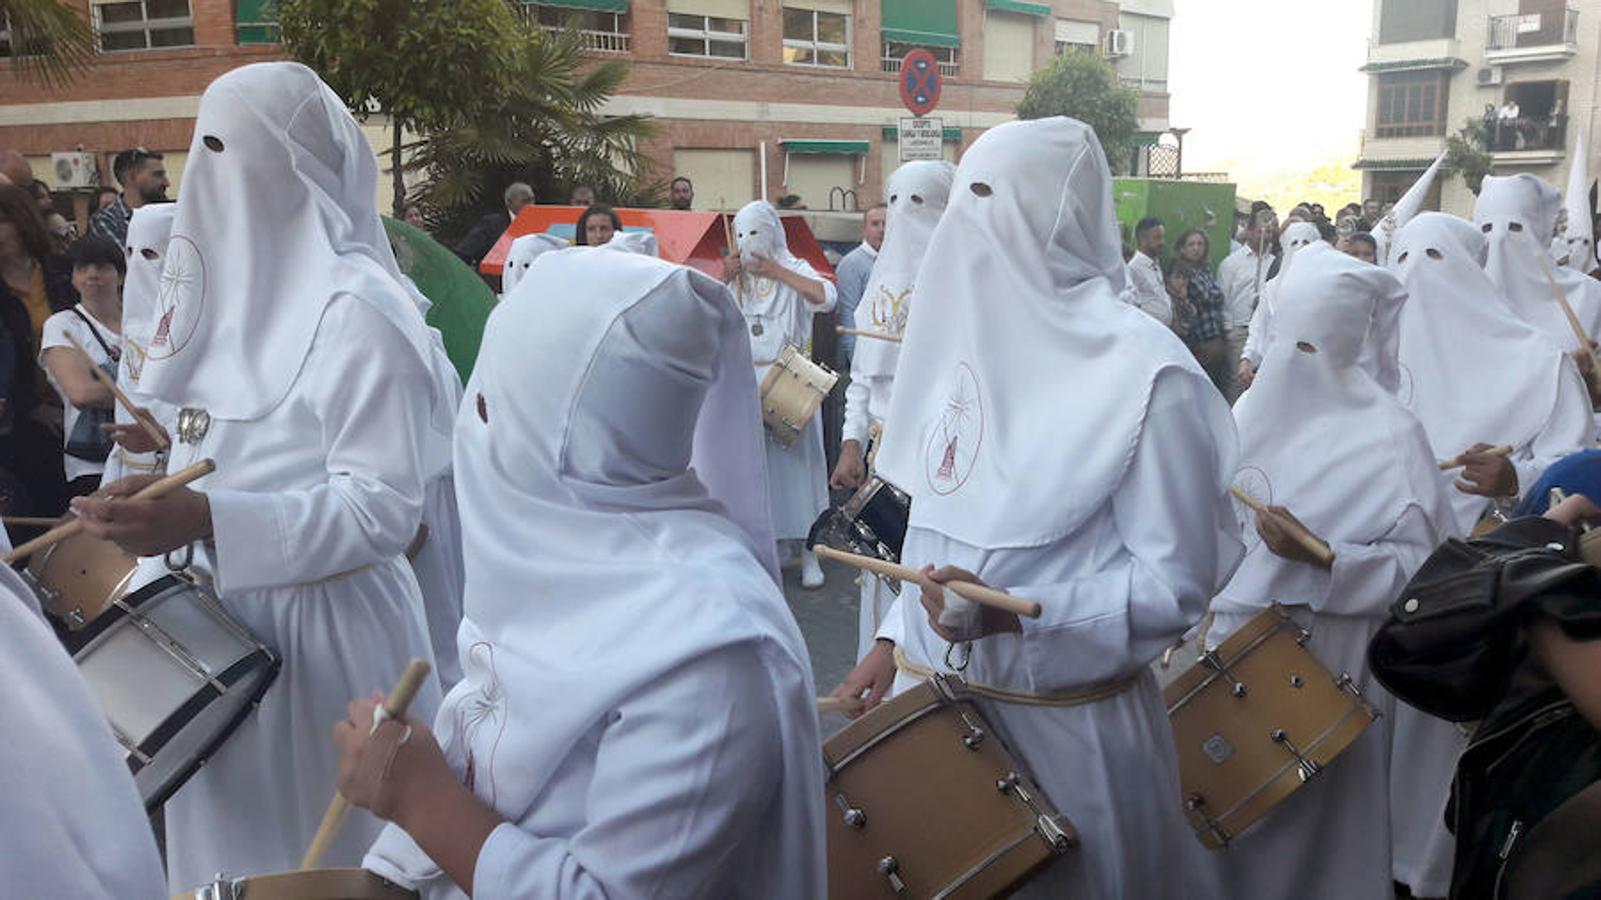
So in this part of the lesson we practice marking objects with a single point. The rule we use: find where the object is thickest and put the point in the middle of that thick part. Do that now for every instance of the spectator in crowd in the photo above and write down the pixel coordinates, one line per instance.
(42, 197)
(62, 232)
(681, 193)
(412, 215)
(1145, 288)
(102, 199)
(1208, 334)
(1362, 246)
(1241, 276)
(86, 335)
(1177, 285)
(582, 195)
(852, 274)
(596, 225)
(143, 176)
(1237, 238)
(481, 239)
(34, 283)
(14, 169)
(1371, 210)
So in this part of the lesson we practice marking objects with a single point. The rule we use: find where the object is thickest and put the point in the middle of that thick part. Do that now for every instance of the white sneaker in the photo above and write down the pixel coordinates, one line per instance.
(811, 571)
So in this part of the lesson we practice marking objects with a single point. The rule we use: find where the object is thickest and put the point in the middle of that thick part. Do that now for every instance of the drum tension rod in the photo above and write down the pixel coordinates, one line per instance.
(1196, 804)
(1306, 768)
(890, 868)
(1212, 660)
(853, 815)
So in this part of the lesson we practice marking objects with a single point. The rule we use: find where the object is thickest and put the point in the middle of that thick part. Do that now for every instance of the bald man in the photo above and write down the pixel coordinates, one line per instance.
(15, 170)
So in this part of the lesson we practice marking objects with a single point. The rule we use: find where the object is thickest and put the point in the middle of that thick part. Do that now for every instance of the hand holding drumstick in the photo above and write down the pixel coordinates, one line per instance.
(1285, 535)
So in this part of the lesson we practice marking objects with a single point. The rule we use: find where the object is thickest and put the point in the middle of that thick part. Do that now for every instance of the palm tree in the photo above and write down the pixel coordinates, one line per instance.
(50, 41)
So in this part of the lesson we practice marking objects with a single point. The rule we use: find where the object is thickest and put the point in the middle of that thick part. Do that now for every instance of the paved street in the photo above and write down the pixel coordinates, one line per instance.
(827, 618)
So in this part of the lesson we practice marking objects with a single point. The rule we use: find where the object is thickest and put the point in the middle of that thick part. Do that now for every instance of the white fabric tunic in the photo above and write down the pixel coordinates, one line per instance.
(1518, 214)
(775, 316)
(71, 821)
(148, 233)
(1296, 238)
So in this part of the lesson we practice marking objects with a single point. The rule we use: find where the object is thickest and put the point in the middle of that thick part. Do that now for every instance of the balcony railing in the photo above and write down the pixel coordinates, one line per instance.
(892, 64)
(1529, 133)
(595, 40)
(1524, 31)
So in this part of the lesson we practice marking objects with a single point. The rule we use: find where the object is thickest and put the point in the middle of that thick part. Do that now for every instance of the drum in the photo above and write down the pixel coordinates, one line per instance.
(792, 392)
(175, 675)
(78, 578)
(878, 514)
(312, 884)
(1255, 719)
(923, 800)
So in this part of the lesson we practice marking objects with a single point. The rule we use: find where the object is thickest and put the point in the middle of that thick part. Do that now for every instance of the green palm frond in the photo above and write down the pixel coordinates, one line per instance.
(50, 41)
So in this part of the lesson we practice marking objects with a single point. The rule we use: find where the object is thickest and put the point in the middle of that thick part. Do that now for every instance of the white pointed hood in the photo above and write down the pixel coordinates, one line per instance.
(917, 194)
(1581, 222)
(520, 257)
(1518, 215)
(1410, 204)
(1031, 379)
(149, 232)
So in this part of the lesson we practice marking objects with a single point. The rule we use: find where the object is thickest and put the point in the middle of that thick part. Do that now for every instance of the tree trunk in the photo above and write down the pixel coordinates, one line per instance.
(399, 173)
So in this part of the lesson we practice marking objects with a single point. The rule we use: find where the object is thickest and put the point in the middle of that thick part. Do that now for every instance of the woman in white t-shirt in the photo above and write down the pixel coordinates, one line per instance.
(95, 324)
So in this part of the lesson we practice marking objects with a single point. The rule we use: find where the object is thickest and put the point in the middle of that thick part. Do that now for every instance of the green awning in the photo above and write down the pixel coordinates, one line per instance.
(611, 6)
(838, 148)
(949, 135)
(256, 22)
(1017, 6)
(928, 23)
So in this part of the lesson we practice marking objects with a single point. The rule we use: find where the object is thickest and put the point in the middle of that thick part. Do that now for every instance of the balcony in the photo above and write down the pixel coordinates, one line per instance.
(600, 31)
(1530, 140)
(1532, 37)
(1414, 56)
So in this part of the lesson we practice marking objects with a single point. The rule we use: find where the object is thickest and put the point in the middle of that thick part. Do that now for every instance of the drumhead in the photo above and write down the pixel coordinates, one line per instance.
(206, 721)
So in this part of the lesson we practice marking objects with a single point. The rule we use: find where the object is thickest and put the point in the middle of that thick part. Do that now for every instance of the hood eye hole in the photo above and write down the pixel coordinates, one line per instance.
(1304, 347)
(150, 254)
(894, 198)
(980, 189)
(1515, 226)
(1488, 227)
(483, 409)
(1434, 254)
(213, 143)
(1402, 257)
(918, 200)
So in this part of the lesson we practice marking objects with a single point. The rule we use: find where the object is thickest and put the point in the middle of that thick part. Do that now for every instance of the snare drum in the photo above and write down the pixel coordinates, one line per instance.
(1254, 720)
(312, 884)
(878, 514)
(792, 392)
(923, 800)
(175, 675)
(78, 578)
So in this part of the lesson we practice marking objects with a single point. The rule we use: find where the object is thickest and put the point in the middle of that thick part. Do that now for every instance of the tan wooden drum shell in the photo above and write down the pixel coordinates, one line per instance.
(78, 578)
(1227, 709)
(792, 393)
(315, 884)
(923, 792)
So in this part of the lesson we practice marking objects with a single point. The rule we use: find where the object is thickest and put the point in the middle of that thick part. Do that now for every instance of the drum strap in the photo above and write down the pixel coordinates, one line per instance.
(1057, 698)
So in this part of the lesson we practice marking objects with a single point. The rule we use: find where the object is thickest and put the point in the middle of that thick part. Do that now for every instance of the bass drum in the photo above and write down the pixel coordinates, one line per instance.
(312, 884)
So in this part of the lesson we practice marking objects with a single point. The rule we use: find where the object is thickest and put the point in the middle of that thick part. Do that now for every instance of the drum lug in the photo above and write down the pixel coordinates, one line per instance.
(1212, 660)
(890, 868)
(220, 888)
(1346, 683)
(853, 816)
(1196, 805)
(1048, 826)
(1306, 768)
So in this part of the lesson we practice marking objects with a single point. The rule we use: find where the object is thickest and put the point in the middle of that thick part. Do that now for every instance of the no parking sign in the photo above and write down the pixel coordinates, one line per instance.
(921, 82)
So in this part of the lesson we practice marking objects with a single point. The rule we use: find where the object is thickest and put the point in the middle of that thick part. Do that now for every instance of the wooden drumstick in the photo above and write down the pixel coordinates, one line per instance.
(1300, 535)
(1567, 310)
(837, 705)
(31, 521)
(875, 335)
(728, 231)
(127, 404)
(395, 704)
(153, 491)
(975, 593)
(1457, 462)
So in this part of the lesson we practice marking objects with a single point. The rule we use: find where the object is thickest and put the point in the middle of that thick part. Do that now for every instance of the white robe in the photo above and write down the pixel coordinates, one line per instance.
(797, 477)
(71, 821)
(1115, 593)
(866, 403)
(438, 566)
(312, 507)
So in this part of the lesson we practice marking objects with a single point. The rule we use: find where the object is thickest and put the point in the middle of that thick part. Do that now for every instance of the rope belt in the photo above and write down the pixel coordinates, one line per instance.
(1082, 697)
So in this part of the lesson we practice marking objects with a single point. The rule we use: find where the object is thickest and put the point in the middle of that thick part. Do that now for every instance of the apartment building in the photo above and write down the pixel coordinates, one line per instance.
(753, 97)
(1435, 64)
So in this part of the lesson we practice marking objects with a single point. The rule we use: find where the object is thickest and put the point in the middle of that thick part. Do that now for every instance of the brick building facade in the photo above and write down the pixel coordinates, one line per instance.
(794, 96)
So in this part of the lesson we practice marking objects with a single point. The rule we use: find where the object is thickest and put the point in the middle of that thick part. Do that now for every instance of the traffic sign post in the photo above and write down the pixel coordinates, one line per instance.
(921, 138)
(921, 82)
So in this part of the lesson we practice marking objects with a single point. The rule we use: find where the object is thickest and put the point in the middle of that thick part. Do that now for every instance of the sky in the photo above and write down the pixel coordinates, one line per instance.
(1270, 88)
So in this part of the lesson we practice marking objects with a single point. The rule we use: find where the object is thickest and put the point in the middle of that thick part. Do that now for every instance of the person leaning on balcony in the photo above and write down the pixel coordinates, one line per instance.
(483, 235)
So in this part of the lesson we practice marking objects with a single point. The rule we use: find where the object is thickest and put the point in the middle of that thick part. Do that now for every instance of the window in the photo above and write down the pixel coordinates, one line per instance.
(144, 24)
(1416, 20)
(949, 58)
(604, 32)
(1411, 104)
(1008, 46)
(1389, 187)
(723, 179)
(1146, 68)
(1074, 36)
(5, 37)
(692, 35)
(816, 38)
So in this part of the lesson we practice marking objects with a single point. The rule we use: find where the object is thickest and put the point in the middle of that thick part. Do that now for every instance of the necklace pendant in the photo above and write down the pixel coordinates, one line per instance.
(757, 329)
(193, 425)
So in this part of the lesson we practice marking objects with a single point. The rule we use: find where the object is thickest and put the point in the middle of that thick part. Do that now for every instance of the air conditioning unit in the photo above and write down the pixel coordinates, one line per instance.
(1119, 43)
(1490, 76)
(74, 169)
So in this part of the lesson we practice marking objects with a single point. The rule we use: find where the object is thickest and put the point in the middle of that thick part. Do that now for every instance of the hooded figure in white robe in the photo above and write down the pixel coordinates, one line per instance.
(283, 326)
(775, 316)
(1405, 210)
(638, 704)
(148, 233)
(71, 823)
(521, 256)
(1473, 372)
(642, 242)
(916, 193)
(1045, 434)
(1296, 238)
(1321, 437)
(1518, 215)
(1580, 236)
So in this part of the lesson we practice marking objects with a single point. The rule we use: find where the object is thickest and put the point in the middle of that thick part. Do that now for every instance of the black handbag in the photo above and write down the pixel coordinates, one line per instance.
(88, 441)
